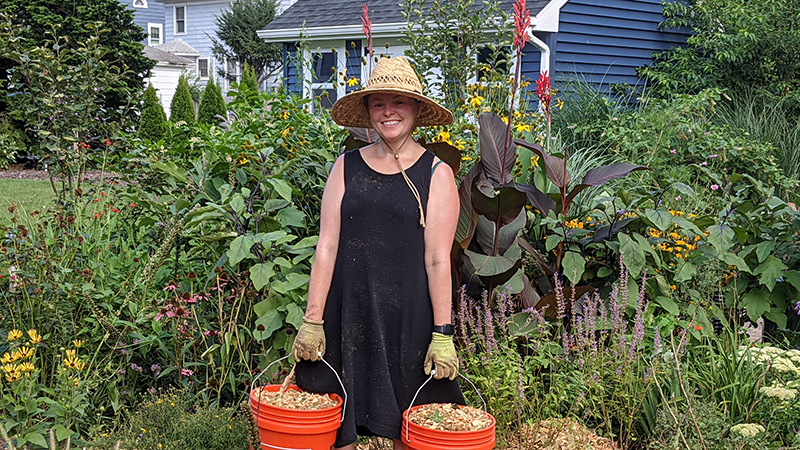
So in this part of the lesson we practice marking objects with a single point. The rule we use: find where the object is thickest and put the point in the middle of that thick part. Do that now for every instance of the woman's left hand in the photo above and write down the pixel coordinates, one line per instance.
(442, 353)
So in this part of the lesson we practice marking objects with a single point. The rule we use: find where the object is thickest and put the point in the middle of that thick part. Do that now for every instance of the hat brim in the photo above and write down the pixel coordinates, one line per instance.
(350, 111)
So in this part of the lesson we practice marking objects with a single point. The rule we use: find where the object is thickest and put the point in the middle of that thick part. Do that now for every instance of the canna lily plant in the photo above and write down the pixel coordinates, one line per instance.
(489, 245)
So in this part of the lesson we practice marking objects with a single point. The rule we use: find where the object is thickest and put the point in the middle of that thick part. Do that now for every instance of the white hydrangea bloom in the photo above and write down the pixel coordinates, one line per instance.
(747, 429)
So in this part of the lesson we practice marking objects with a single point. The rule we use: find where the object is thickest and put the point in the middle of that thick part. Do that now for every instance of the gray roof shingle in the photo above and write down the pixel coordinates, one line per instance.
(327, 13)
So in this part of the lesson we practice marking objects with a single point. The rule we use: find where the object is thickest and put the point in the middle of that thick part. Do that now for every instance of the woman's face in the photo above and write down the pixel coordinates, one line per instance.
(392, 116)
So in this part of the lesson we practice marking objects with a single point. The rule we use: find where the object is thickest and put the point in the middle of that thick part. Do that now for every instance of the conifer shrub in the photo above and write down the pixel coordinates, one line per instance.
(249, 79)
(182, 107)
(212, 105)
(153, 121)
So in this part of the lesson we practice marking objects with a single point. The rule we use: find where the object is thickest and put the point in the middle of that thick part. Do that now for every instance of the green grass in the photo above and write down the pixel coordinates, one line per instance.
(28, 195)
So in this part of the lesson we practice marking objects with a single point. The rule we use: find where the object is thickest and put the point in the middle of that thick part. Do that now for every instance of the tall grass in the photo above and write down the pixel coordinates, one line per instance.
(765, 119)
(27, 195)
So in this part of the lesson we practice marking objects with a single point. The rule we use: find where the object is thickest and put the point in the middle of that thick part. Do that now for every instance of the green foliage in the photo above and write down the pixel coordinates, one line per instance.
(63, 101)
(236, 37)
(212, 109)
(734, 45)
(249, 81)
(76, 20)
(171, 419)
(181, 109)
(444, 37)
(153, 121)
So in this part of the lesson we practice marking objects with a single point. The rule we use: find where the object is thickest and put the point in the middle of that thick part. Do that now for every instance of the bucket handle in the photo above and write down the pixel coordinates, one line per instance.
(430, 377)
(344, 391)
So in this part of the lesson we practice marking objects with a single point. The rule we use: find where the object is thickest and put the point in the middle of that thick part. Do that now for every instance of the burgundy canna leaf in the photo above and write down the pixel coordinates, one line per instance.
(497, 161)
(600, 175)
(554, 167)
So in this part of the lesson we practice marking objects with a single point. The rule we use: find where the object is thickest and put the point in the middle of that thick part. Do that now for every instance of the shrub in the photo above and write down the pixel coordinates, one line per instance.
(153, 121)
(212, 106)
(182, 107)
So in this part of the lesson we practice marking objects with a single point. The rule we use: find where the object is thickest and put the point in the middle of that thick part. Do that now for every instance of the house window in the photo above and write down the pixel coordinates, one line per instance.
(155, 33)
(324, 78)
(202, 67)
(180, 19)
(232, 70)
(140, 3)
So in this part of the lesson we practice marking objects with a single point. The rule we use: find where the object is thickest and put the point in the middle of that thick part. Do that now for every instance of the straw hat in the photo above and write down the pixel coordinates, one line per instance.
(391, 75)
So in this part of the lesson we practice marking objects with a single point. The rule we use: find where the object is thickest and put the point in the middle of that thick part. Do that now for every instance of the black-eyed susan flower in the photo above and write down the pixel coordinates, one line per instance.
(77, 343)
(26, 367)
(34, 337)
(74, 362)
(6, 358)
(15, 334)
(24, 352)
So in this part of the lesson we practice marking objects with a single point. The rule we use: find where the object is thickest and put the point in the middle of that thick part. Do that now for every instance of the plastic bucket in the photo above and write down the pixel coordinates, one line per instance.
(294, 429)
(417, 437)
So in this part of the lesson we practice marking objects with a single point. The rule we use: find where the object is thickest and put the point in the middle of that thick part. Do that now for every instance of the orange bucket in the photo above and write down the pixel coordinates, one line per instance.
(294, 429)
(417, 437)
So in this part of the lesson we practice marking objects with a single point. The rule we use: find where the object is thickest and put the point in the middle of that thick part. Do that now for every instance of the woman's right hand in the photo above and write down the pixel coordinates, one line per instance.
(310, 341)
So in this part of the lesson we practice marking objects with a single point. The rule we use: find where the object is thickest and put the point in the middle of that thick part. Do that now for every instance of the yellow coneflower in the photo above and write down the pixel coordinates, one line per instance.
(14, 334)
(74, 362)
(26, 367)
(535, 161)
(476, 100)
(24, 352)
(77, 343)
(13, 377)
(6, 358)
(34, 337)
(70, 353)
(522, 127)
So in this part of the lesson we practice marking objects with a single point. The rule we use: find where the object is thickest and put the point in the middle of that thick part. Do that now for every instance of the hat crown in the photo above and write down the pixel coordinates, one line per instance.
(394, 73)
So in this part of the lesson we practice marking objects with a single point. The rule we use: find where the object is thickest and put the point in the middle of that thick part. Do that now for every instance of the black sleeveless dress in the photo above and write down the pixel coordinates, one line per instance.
(378, 315)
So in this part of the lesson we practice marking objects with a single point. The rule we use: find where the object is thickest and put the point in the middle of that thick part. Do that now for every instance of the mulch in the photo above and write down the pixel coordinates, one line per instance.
(16, 172)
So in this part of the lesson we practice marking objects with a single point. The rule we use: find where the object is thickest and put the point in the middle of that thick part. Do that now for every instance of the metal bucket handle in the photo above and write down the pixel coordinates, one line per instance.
(430, 377)
(344, 391)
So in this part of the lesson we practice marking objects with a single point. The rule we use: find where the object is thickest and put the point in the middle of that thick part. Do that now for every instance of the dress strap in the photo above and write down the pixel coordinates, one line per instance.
(433, 169)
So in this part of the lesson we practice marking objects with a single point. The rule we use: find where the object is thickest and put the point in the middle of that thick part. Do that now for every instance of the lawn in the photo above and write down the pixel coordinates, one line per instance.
(28, 195)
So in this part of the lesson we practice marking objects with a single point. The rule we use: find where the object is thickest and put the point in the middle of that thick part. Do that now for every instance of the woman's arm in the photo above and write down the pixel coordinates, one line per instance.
(328, 244)
(440, 229)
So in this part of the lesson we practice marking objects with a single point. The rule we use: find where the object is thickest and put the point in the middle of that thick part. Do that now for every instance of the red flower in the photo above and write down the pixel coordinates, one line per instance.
(366, 27)
(698, 328)
(544, 92)
(522, 20)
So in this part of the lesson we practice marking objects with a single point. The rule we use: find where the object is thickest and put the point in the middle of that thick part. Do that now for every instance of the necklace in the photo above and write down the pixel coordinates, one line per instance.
(405, 177)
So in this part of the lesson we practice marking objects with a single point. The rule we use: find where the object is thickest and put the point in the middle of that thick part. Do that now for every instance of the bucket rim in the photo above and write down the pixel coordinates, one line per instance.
(293, 387)
(406, 420)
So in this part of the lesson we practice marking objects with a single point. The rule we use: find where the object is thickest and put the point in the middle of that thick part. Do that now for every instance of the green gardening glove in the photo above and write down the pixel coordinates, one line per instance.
(310, 340)
(442, 352)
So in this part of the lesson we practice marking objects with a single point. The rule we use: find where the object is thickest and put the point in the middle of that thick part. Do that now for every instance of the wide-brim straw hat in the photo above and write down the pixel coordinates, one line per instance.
(395, 76)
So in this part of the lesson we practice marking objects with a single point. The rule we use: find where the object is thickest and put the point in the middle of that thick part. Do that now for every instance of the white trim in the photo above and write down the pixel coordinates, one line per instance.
(544, 61)
(175, 20)
(160, 27)
(142, 6)
(383, 30)
(548, 18)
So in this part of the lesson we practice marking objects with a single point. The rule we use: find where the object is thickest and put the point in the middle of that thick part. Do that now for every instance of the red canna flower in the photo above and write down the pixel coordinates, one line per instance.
(522, 20)
(366, 27)
(544, 92)
(698, 328)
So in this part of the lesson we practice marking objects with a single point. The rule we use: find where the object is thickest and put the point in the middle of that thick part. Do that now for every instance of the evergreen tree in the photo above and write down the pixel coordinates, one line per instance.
(236, 37)
(152, 122)
(182, 107)
(212, 105)
(249, 80)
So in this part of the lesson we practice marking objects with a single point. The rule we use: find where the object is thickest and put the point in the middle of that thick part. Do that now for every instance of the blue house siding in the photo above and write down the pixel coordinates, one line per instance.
(200, 26)
(154, 13)
(353, 63)
(604, 41)
(293, 80)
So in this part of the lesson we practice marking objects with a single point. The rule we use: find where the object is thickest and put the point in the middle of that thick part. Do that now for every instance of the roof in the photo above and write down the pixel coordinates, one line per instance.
(178, 47)
(346, 15)
(160, 56)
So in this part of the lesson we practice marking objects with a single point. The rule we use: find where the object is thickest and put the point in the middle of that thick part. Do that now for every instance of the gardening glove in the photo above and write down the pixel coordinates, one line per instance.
(442, 352)
(310, 341)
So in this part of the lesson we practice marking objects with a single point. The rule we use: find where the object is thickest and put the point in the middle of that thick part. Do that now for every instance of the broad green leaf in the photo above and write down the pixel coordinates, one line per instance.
(306, 242)
(683, 189)
(294, 315)
(776, 315)
(170, 168)
(770, 270)
(757, 302)
(486, 265)
(604, 272)
(663, 287)
(293, 281)
(272, 236)
(660, 218)
(266, 305)
(271, 321)
(283, 188)
(721, 237)
(633, 255)
(291, 217)
(764, 249)
(687, 225)
(735, 260)
(668, 304)
(685, 271)
(260, 274)
(62, 433)
(36, 438)
(240, 249)
(793, 277)
(515, 284)
(552, 241)
(283, 262)
(574, 266)
(237, 203)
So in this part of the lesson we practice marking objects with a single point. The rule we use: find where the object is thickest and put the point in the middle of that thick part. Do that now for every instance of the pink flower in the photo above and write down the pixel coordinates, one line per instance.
(704, 164)
(712, 156)
(714, 187)
(187, 372)
(673, 151)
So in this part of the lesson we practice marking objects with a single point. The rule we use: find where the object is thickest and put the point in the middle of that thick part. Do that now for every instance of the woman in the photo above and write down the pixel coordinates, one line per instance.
(380, 289)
